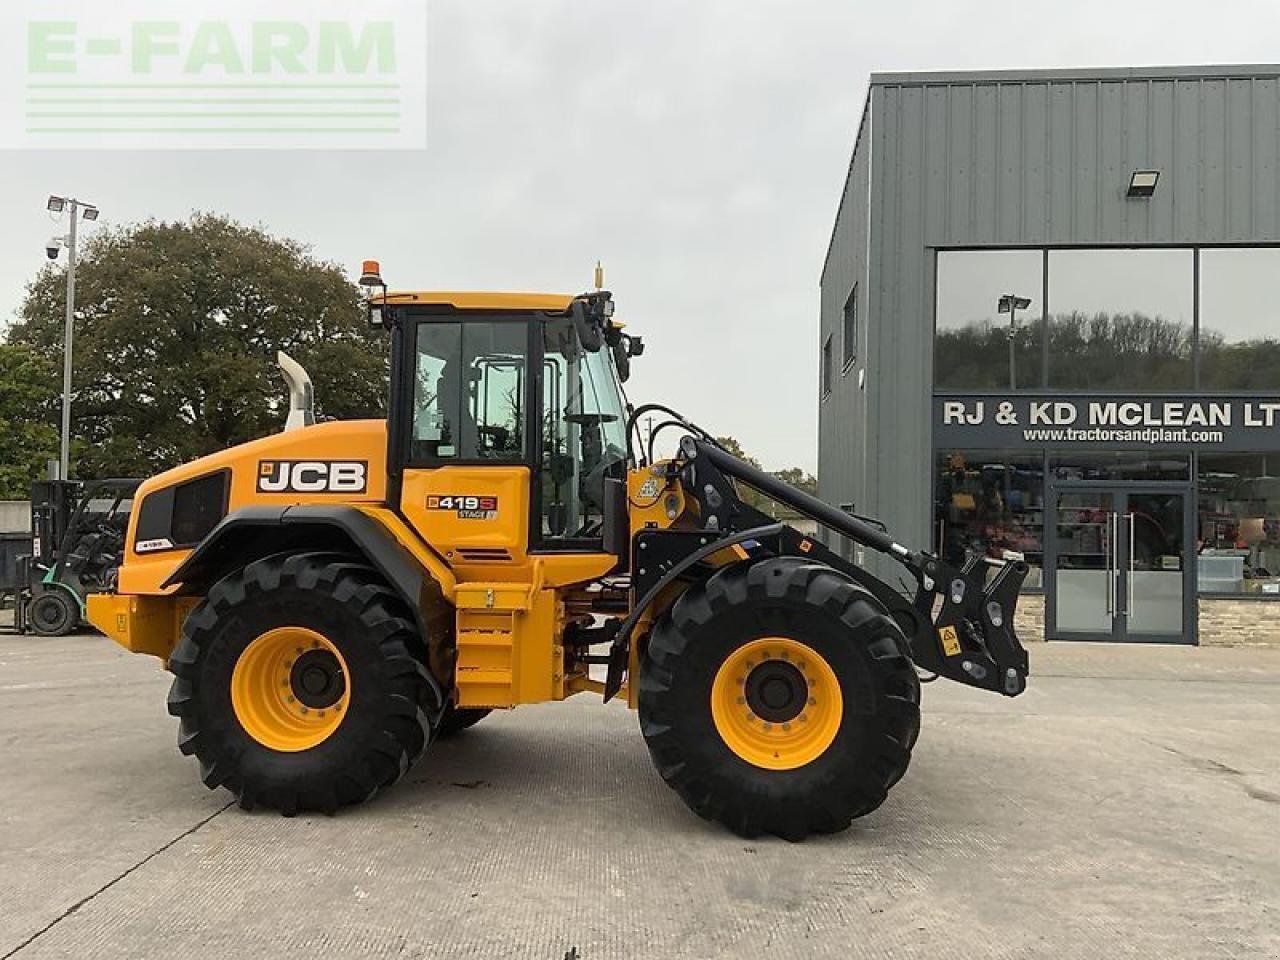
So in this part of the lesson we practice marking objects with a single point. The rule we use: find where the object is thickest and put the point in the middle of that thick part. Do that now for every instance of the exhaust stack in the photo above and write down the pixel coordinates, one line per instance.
(301, 393)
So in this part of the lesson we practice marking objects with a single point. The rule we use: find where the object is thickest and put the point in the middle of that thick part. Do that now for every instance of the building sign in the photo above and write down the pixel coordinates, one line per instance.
(1003, 421)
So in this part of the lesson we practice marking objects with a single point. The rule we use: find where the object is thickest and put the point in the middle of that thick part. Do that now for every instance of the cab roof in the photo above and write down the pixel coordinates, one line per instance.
(480, 300)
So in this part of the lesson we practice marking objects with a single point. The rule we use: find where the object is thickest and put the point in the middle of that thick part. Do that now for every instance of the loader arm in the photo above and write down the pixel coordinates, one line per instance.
(960, 622)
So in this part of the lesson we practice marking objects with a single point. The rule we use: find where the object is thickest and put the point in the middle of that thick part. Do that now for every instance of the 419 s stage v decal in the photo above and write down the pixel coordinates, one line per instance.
(467, 507)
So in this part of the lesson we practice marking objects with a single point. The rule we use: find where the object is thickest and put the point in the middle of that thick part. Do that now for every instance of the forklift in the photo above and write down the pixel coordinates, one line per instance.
(77, 545)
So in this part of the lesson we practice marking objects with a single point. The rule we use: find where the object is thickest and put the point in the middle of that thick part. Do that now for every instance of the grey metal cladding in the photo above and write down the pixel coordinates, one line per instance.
(1006, 159)
(839, 452)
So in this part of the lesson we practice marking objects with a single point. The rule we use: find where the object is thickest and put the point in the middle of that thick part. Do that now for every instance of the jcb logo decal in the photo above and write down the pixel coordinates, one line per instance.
(313, 476)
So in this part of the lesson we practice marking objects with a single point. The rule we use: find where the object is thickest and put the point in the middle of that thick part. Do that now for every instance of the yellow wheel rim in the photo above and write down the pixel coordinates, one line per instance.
(290, 689)
(776, 703)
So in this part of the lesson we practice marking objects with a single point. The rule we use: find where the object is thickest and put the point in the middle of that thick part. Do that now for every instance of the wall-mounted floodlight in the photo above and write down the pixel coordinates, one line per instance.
(1142, 183)
(57, 204)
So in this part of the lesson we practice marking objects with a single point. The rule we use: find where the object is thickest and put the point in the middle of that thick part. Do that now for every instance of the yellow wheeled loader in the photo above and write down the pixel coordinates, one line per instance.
(333, 598)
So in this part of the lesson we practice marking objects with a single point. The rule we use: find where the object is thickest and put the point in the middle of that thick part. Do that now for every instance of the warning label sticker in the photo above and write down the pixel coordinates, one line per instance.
(950, 640)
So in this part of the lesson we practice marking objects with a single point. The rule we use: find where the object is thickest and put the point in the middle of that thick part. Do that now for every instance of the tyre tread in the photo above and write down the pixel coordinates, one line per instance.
(804, 584)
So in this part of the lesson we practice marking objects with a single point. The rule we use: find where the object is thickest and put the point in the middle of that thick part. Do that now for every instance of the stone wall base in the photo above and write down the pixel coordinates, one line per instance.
(1239, 623)
(1029, 620)
(1223, 623)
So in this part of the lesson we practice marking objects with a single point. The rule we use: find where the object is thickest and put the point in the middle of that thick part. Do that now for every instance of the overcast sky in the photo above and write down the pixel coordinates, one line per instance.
(697, 147)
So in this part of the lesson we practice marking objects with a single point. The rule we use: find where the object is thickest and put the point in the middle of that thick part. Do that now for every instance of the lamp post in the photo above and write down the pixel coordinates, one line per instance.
(1011, 303)
(89, 212)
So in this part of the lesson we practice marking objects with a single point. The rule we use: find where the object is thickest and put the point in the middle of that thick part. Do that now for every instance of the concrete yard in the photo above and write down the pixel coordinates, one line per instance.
(1128, 805)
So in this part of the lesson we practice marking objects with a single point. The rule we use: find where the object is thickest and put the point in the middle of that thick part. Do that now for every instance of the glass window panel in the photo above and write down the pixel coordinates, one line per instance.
(991, 504)
(469, 390)
(1238, 534)
(972, 347)
(1240, 319)
(583, 432)
(437, 394)
(1108, 465)
(826, 366)
(1120, 319)
(850, 333)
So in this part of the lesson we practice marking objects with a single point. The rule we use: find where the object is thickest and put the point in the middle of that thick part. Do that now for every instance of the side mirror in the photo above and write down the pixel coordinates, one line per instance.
(588, 328)
(621, 358)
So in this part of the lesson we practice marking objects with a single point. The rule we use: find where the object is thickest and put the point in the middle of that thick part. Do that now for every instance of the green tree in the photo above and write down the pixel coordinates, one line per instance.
(177, 327)
(28, 413)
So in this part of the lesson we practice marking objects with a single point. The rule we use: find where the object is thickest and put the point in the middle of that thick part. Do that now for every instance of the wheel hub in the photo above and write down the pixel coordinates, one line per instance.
(776, 703)
(776, 691)
(289, 689)
(316, 679)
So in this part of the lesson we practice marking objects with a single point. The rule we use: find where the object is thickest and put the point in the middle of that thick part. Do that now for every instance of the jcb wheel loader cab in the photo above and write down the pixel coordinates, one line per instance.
(779, 697)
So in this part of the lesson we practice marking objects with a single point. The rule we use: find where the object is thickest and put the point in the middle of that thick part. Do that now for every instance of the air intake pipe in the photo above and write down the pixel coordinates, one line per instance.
(301, 393)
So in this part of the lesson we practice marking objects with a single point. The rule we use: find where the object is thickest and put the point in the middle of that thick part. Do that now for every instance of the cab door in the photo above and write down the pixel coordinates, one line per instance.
(468, 473)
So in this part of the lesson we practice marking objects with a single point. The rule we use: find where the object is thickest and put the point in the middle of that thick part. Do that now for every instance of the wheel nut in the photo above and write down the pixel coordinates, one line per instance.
(813, 702)
(767, 726)
(804, 718)
(786, 726)
(292, 699)
(742, 700)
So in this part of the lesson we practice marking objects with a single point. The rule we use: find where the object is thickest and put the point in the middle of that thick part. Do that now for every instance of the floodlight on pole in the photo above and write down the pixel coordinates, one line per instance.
(89, 212)
(1011, 303)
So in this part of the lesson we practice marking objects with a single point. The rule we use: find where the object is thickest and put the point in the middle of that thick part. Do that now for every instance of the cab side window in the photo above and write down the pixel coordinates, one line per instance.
(469, 391)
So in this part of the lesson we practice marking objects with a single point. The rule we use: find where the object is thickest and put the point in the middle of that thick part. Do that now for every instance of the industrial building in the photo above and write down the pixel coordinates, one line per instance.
(1049, 329)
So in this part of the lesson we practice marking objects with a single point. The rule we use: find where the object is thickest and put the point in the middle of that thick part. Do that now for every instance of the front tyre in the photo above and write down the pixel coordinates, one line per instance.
(297, 685)
(777, 697)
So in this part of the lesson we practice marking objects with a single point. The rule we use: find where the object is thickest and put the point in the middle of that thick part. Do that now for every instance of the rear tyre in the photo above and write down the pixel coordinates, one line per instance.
(53, 614)
(777, 697)
(300, 685)
(456, 719)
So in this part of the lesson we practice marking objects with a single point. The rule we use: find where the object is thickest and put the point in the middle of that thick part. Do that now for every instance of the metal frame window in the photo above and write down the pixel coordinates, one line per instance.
(850, 328)
(826, 367)
(1045, 307)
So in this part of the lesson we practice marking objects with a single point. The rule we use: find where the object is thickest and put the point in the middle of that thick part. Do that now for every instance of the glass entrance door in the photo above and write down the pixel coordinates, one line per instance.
(1154, 567)
(1118, 563)
(1084, 546)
